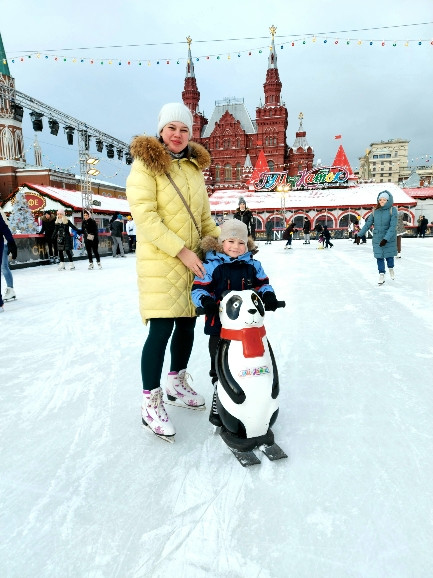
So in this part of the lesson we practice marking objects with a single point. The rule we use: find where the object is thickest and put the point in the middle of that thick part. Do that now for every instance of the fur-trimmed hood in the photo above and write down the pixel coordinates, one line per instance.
(155, 155)
(210, 244)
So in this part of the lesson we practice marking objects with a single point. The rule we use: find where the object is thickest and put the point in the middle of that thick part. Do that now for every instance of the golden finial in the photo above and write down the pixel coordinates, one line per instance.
(301, 116)
(189, 40)
(273, 30)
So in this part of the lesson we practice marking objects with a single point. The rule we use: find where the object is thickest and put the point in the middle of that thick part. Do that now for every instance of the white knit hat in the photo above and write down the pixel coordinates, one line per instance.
(383, 195)
(175, 112)
(233, 229)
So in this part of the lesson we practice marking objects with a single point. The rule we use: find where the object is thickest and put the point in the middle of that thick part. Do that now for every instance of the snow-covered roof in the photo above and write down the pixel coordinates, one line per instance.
(72, 198)
(420, 192)
(362, 195)
(238, 110)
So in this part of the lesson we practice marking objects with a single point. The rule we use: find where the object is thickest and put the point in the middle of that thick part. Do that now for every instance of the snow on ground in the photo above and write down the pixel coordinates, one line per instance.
(86, 492)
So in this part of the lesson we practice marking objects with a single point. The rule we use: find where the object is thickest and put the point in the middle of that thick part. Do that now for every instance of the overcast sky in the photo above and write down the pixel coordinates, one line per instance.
(364, 92)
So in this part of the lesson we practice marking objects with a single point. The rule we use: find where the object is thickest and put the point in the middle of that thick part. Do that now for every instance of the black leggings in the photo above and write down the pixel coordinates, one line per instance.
(92, 245)
(152, 357)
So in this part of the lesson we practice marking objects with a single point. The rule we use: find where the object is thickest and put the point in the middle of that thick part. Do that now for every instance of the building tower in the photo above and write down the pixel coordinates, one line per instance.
(301, 155)
(191, 96)
(271, 119)
(11, 134)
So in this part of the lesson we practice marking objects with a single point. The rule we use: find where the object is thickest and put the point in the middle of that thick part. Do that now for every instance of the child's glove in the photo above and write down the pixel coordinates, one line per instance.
(210, 306)
(382, 243)
(270, 300)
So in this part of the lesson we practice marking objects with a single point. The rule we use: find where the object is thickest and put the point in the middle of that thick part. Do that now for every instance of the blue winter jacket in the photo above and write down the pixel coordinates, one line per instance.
(227, 273)
(384, 220)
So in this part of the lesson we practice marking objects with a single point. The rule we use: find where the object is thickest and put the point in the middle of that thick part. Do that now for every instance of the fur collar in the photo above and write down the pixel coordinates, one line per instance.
(153, 153)
(211, 244)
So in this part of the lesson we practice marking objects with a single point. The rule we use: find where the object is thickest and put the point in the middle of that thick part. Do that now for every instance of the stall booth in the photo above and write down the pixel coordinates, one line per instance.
(32, 249)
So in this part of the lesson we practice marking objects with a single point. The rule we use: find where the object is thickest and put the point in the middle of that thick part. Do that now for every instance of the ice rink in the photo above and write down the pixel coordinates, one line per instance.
(86, 492)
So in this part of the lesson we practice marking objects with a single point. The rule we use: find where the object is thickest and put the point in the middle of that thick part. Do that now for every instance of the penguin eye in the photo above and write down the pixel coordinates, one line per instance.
(236, 305)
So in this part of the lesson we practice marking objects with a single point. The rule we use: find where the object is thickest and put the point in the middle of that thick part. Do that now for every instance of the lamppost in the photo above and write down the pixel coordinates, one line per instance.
(283, 190)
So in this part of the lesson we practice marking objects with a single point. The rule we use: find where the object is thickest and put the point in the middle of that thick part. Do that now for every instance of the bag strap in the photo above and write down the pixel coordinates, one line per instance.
(176, 188)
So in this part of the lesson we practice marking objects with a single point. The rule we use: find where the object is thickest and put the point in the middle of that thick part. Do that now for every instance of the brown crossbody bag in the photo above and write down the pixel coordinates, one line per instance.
(176, 188)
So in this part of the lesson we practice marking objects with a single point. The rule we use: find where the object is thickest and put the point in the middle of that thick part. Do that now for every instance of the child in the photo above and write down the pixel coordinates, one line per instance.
(229, 265)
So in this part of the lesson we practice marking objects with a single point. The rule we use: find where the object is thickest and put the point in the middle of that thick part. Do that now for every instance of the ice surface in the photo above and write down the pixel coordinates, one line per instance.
(86, 492)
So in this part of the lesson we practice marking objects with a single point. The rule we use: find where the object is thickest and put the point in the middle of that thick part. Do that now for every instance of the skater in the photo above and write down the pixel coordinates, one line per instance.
(269, 227)
(7, 245)
(307, 231)
(245, 215)
(91, 240)
(361, 223)
(400, 232)
(423, 224)
(48, 223)
(230, 265)
(327, 237)
(116, 236)
(384, 219)
(169, 203)
(131, 232)
(288, 235)
(62, 238)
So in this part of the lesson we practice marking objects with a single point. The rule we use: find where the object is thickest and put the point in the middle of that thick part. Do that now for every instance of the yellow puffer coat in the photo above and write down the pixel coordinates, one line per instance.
(164, 225)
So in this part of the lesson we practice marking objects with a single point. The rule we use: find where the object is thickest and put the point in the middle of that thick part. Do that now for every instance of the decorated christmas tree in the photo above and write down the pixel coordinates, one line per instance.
(21, 218)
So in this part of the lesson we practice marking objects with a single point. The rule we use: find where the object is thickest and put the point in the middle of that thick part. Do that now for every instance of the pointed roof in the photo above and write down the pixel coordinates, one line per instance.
(261, 167)
(272, 58)
(4, 68)
(301, 136)
(189, 63)
(234, 106)
(341, 160)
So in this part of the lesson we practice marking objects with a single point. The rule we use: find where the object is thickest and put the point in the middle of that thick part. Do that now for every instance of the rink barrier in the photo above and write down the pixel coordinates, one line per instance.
(33, 250)
(337, 233)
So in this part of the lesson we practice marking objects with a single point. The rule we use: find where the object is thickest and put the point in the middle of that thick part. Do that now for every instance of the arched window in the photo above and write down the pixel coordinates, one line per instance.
(217, 143)
(238, 171)
(271, 166)
(266, 141)
(227, 172)
(7, 143)
(238, 143)
(217, 173)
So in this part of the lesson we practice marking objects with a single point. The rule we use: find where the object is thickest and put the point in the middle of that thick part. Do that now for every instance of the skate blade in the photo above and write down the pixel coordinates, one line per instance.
(178, 403)
(273, 452)
(169, 439)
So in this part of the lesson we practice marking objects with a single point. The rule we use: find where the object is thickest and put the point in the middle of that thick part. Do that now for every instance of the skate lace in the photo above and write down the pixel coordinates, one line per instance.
(183, 377)
(214, 403)
(158, 404)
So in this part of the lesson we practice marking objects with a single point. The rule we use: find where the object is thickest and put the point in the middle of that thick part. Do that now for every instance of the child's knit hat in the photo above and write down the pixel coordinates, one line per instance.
(233, 229)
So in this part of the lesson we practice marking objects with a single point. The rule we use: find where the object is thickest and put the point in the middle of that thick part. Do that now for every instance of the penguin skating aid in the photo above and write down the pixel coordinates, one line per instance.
(248, 386)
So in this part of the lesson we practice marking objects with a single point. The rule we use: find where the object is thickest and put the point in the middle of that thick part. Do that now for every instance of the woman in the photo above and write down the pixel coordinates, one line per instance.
(5, 248)
(245, 215)
(167, 255)
(62, 237)
(384, 219)
(91, 241)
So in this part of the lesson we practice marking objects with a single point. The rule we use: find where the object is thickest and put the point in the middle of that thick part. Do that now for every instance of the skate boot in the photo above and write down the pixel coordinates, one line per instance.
(90, 266)
(10, 294)
(71, 267)
(214, 417)
(391, 274)
(61, 267)
(381, 278)
(154, 417)
(398, 255)
(180, 393)
(99, 266)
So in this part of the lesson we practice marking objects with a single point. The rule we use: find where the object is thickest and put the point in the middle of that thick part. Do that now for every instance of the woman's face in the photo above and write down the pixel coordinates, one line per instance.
(86, 216)
(242, 206)
(382, 201)
(175, 136)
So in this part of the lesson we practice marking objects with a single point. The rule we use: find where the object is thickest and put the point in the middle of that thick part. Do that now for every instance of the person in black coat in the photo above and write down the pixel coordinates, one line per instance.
(62, 237)
(245, 215)
(269, 227)
(47, 229)
(288, 235)
(116, 236)
(5, 233)
(91, 240)
(307, 230)
(327, 235)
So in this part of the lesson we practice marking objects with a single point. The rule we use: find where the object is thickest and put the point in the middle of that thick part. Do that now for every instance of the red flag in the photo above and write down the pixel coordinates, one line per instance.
(337, 136)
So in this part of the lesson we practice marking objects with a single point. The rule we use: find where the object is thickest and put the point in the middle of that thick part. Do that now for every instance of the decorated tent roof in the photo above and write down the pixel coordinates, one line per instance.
(420, 193)
(341, 160)
(364, 195)
(261, 166)
(71, 198)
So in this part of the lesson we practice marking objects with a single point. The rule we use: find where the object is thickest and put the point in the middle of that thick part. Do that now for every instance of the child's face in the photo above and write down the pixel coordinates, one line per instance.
(234, 247)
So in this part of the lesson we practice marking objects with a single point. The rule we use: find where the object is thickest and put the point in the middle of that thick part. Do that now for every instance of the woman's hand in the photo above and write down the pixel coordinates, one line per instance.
(190, 260)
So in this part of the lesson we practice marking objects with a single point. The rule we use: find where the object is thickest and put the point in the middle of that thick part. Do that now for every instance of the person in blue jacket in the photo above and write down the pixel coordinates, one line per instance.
(229, 265)
(384, 218)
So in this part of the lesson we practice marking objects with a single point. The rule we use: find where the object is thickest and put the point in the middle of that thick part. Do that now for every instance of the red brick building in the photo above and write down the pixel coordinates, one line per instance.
(234, 140)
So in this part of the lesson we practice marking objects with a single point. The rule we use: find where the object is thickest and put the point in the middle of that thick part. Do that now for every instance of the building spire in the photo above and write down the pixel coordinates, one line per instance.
(189, 64)
(272, 59)
(4, 68)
